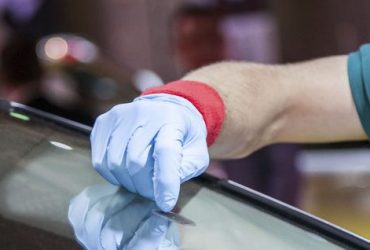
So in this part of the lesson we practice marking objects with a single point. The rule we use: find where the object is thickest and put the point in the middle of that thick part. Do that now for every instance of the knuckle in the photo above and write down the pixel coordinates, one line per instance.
(114, 161)
(96, 161)
(100, 120)
(118, 108)
(96, 164)
(115, 109)
(132, 160)
(99, 166)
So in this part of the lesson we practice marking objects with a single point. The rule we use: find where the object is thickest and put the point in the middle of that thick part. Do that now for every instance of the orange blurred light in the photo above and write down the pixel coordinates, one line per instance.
(56, 48)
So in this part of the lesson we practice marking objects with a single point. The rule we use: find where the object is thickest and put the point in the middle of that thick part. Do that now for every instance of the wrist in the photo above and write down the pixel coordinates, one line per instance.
(204, 98)
(257, 100)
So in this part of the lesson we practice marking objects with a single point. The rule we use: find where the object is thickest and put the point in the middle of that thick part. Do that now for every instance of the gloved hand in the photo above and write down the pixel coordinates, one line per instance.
(150, 146)
(108, 217)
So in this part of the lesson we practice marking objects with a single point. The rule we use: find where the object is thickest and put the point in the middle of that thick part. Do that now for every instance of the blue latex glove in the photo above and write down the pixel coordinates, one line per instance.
(108, 217)
(150, 146)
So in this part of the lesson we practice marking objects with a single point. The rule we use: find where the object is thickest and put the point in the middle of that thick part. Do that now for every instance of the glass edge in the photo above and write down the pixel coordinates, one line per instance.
(14, 106)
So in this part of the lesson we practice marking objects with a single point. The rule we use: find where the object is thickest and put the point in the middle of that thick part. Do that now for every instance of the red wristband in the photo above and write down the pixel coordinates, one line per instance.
(206, 99)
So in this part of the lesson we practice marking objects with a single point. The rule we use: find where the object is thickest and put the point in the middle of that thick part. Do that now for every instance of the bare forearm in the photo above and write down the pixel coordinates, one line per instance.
(323, 109)
(304, 102)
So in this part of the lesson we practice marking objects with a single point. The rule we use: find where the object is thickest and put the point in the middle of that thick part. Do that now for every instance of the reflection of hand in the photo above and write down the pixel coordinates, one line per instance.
(150, 146)
(108, 217)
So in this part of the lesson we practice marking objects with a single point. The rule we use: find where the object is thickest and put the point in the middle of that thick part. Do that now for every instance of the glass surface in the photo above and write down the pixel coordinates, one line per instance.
(43, 165)
(227, 223)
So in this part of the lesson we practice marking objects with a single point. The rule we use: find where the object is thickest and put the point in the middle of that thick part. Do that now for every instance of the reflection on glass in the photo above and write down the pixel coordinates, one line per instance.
(19, 116)
(61, 145)
(113, 218)
(108, 217)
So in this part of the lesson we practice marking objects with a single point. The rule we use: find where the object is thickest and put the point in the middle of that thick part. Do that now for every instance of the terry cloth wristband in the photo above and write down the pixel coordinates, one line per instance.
(208, 102)
(359, 79)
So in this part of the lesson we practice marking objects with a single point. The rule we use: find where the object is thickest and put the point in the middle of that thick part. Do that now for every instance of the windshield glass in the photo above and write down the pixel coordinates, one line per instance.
(44, 165)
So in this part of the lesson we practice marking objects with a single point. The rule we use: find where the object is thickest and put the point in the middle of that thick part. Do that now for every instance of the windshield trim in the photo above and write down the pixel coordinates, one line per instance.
(14, 106)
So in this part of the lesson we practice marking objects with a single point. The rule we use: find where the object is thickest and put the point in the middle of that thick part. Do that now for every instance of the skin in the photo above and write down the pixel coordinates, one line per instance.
(302, 102)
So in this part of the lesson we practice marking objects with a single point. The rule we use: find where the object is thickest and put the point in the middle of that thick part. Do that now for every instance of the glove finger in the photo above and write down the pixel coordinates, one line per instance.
(103, 170)
(150, 234)
(139, 160)
(167, 159)
(195, 159)
(115, 154)
(100, 136)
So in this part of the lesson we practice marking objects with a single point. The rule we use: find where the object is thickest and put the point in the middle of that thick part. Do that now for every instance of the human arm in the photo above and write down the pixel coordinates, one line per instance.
(158, 141)
(302, 102)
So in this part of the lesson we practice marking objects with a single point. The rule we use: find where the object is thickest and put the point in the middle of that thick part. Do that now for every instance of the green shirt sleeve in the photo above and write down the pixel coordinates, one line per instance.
(359, 78)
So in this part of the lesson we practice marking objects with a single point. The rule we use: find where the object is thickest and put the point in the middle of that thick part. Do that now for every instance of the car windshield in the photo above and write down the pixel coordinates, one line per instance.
(43, 165)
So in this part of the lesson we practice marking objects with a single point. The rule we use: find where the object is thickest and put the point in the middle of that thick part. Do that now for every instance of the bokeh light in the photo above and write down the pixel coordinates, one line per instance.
(56, 48)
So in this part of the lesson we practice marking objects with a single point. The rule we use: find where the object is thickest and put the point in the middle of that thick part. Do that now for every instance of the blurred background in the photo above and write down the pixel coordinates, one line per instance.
(79, 58)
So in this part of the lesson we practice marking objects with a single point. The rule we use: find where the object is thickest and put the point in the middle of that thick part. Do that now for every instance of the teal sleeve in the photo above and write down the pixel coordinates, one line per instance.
(359, 79)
